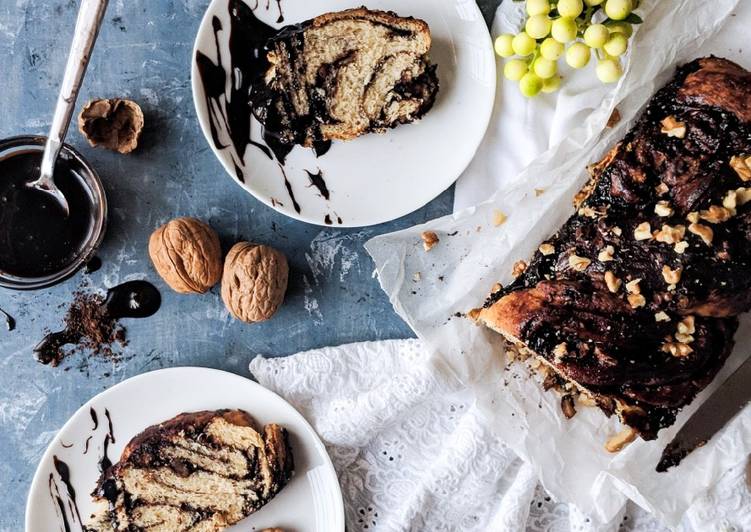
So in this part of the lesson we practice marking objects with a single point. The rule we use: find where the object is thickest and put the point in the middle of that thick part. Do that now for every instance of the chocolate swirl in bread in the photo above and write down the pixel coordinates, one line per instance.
(341, 75)
(635, 298)
(201, 471)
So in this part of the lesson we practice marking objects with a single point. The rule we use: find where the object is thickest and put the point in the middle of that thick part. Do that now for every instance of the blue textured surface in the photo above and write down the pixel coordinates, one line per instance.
(144, 53)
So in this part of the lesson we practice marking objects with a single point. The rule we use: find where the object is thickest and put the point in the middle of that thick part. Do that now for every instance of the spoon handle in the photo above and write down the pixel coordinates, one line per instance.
(89, 20)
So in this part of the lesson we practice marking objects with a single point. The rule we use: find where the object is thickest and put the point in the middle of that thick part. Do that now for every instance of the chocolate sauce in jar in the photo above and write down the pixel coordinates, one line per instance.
(37, 239)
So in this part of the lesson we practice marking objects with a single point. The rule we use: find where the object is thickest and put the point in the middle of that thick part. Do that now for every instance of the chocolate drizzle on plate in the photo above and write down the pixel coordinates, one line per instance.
(94, 418)
(291, 192)
(10, 322)
(64, 472)
(319, 182)
(57, 500)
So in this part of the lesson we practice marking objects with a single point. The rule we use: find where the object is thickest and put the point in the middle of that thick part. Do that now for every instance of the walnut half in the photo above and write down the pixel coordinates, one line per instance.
(254, 281)
(115, 124)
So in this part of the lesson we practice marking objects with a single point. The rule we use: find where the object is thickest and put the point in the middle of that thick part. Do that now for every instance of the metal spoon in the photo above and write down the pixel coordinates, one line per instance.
(89, 20)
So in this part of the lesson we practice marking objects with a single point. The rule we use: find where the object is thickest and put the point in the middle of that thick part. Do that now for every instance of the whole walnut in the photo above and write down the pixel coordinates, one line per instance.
(187, 254)
(254, 281)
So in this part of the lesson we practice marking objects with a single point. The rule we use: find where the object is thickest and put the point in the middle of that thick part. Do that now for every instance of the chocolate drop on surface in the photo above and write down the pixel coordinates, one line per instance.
(10, 322)
(93, 265)
(317, 181)
(134, 299)
(36, 238)
(94, 418)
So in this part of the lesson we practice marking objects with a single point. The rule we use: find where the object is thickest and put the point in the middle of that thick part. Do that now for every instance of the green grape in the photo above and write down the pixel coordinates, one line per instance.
(570, 8)
(544, 68)
(503, 45)
(538, 7)
(592, 3)
(551, 84)
(621, 27)
(616, 45)
(523, 44)
(515, 69)
(618, 9)
(596, 35)
(538, 26)
(609, 70)
(530, 85)
(577, 55)
(551, 49)
(564, 30)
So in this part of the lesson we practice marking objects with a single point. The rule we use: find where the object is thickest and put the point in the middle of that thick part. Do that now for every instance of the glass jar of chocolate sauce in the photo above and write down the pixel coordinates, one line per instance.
(39, 245)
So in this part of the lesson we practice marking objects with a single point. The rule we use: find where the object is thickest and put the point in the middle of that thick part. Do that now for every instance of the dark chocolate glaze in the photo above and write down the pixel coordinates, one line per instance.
(86, 445)
(65, 445)
(133, 299)
(327, 219)
(37, 239)
(290, 191)
(104, 461)
(94, 418)
(58, 501)
(64, 471)
(110, 428)
(10, 322)
(319, 182)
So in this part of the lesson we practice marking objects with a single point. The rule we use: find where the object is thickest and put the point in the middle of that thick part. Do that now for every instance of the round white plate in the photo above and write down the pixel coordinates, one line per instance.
(375, 178)
(311, 502)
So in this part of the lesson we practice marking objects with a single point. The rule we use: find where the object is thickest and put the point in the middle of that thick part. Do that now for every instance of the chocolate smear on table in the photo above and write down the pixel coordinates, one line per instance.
(92, 322)
(10, 321)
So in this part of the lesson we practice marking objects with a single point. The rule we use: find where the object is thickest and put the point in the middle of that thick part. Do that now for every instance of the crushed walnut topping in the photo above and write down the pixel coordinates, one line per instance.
(620, 440)
(703, 231)
(663, 209)
(632, 287)
(578, 263)
(662, 189)
(643, 231)
(429, 239)
(518, 269)
(677, 349)
(497, 287)
(681, 247)
(693, 217)
(662, 316)
(589, 212)
(671, 276)
(606, 254)
(670, 234)
(499, 218)
(687, 325)
(546, 248)
(560, 351)
(684, 338)
(716, 214)
(617, 231)
(612, 282)
(673, 127)
(742, 166)
(636, 300)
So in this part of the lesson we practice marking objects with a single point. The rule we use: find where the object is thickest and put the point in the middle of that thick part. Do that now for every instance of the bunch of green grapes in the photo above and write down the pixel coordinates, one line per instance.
(572, 29)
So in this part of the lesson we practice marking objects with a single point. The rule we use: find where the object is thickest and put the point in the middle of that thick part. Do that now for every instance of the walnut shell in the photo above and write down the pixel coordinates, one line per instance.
(187, 254)
(254, 281)
(115, 124)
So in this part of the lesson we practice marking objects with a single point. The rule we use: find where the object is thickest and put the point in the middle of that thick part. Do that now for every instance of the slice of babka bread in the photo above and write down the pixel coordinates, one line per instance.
(344, 74)
(201, 471)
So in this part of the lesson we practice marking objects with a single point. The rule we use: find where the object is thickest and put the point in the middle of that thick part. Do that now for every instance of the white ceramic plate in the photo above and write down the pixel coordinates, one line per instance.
(375, 178)
(311, 502)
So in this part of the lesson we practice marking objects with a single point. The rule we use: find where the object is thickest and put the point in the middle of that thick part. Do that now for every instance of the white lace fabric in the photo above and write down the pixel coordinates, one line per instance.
(413, 453)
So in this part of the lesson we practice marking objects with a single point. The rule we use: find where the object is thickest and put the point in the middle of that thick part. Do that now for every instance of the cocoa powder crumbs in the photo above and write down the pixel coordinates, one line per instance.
(88, 329)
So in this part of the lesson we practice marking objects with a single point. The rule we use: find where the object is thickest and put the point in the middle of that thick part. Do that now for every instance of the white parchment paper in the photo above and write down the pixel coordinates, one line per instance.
(428, 289)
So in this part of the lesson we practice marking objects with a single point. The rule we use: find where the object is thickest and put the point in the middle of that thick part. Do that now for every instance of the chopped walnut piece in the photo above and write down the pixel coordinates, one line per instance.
(742, 166)
(686, 325)
(662, 189)
(499, 218)
(560, 351)
(663, 209)
(539, 192)
(632, 287)
(589, 212)
(519, 268)
(546, 248)
(703, 231)
(693, 217)
(497, 287)
(620, 440)
(681, 247)
(730, 201)
(474, 314)
(606, 254)
(716, 214)
(671, 276)
(684, 338)
(643, 231)
(429, 239)
(636, 300)
(673, 128)
(612, 282)
(578, 263)
(677, 349)
(567, 406)
(662, 316)
(617, 231)
(670, 234)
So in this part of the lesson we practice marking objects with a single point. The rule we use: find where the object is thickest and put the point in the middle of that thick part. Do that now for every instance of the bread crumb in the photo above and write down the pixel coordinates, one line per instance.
(499, 218)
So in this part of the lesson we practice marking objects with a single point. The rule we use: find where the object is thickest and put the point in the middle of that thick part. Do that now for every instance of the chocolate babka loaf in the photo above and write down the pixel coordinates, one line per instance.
(344, 74)
(634, 300)
(201, 471)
